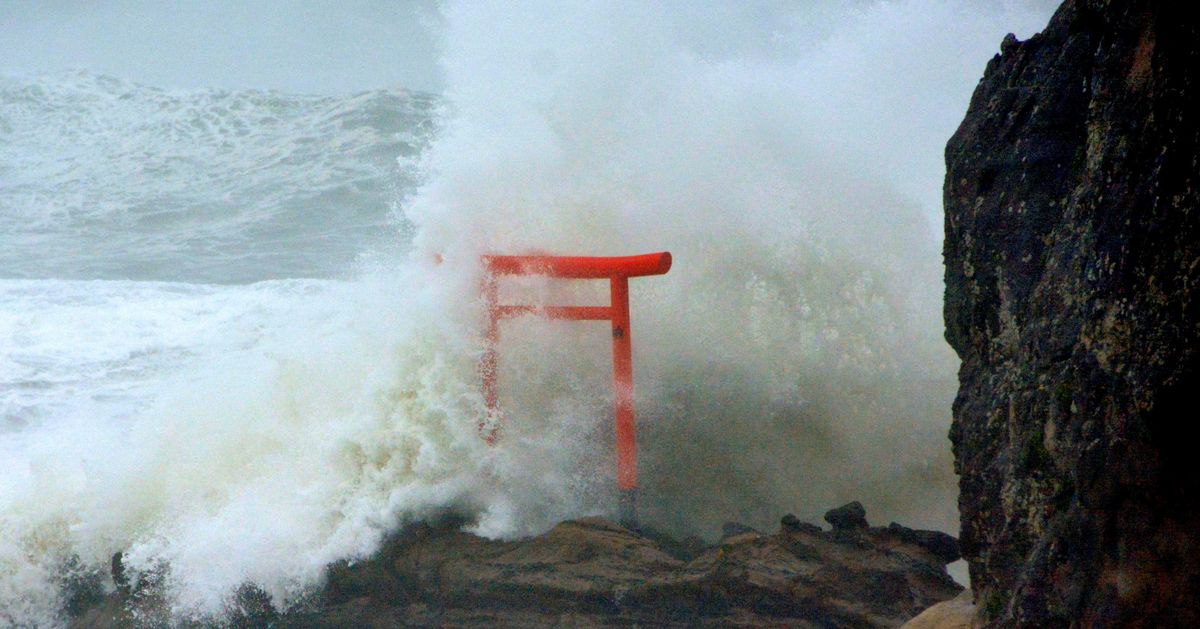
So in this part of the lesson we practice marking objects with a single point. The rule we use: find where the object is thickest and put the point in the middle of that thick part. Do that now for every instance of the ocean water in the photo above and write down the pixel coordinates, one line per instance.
(157, 247)
(226, 350)
(108, 179)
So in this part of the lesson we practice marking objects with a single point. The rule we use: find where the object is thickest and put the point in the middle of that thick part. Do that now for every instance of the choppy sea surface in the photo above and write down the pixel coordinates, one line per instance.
(142, 227)
(106, 179)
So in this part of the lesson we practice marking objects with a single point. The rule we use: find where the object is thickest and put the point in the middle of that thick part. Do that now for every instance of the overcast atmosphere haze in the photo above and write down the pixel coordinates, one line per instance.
(306, 46)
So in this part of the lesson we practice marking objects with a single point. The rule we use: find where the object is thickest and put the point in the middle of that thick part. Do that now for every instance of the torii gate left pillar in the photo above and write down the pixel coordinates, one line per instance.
(617, 270)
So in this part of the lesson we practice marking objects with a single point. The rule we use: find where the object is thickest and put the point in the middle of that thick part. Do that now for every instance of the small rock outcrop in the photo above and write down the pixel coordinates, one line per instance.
(847, 517)
(593, 573)
(1072, 254)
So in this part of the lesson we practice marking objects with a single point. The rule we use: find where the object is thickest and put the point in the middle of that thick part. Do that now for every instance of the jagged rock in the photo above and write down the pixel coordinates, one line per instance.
(790, 523)
(593, 573)
(942, 545)
(1072, 256)
(731, 529)
(848, 517)
(120, 579)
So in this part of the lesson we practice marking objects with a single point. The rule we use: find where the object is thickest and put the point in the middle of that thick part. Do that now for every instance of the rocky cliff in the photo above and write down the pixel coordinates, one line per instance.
(592, 573)
(1072, 257)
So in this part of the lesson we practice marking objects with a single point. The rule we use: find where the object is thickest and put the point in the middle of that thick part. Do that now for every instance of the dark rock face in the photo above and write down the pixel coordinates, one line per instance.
(847, 517)
(1072, 257)
(592, 573)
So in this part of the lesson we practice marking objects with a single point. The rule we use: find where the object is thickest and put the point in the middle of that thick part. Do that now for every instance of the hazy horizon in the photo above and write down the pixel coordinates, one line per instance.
(304, 46)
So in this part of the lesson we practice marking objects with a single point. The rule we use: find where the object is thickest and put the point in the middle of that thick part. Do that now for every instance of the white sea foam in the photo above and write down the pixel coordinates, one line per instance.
(788, 157)
(343, 410)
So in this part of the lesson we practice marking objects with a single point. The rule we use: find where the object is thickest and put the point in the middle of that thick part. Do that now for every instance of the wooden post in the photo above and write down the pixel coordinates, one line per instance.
(489, 426)
(626, 431)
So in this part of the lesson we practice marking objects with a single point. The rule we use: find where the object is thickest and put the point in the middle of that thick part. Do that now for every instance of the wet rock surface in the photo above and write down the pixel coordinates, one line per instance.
(1072, 257)
(593, 573)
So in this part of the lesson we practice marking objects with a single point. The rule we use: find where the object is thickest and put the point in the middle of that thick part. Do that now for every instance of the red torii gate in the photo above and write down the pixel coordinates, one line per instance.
(617, 270)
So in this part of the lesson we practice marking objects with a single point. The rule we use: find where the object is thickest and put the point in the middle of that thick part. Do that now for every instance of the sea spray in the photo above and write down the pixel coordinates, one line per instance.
(793, 358)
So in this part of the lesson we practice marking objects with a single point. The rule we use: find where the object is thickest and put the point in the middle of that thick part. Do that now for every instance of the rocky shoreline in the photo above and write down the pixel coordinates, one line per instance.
(594, 573)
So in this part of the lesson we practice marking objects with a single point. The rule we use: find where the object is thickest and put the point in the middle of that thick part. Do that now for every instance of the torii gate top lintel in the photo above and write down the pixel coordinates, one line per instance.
(580, 267)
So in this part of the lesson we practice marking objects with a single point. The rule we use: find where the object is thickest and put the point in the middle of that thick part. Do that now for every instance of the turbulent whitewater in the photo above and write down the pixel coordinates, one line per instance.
(226, 350)
(182, 376)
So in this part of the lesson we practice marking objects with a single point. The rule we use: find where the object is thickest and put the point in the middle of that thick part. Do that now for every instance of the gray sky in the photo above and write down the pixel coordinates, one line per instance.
(316, 46)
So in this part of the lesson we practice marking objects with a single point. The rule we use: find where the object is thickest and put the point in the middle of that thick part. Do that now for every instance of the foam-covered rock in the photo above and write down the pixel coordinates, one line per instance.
(593, 573)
